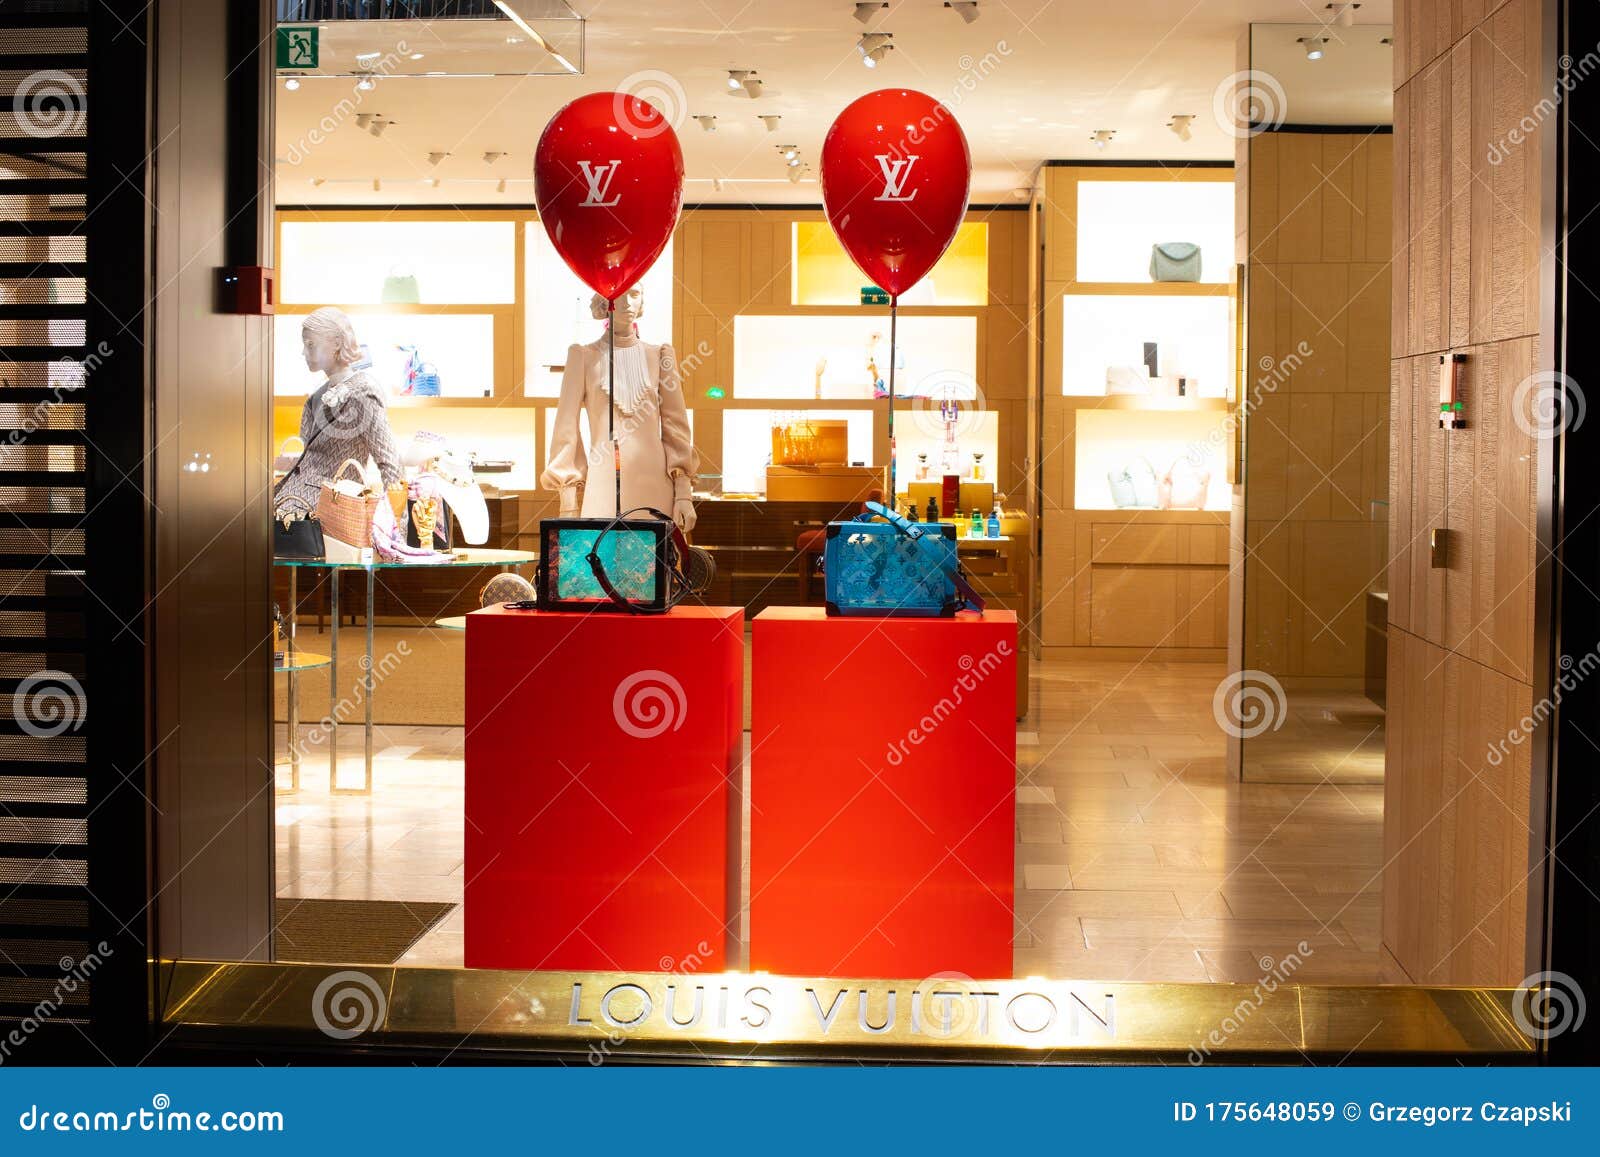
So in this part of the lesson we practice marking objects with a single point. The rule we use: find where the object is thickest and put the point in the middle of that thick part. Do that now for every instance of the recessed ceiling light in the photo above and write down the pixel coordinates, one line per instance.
(292, 83)
(966, 9)
(316, 182)
(873, 47)
(434, 181)
(377, 185)
(365, 84)
(736, 77)
(1316, 46)
(1180, 123)
(790, 152)
(1102, 138)
(865, 12)
(1344, 13)
(707, 122)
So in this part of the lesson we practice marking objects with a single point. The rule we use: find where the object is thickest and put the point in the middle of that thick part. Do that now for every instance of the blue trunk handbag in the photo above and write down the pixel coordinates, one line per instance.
(893, 567)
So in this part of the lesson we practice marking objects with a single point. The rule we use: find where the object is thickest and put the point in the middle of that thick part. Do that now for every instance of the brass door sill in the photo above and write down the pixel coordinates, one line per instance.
(607, 1016)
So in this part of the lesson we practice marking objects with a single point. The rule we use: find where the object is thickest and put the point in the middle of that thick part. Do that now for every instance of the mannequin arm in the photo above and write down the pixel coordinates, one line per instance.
(682, 458)
(568, 467)
(380, 439)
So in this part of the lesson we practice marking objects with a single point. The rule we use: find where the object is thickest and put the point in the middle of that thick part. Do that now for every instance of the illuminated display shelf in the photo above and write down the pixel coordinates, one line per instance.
(822, 274)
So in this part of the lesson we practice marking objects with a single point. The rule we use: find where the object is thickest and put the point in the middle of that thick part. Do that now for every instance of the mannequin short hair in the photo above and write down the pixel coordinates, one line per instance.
(597, 304)
(331, 322)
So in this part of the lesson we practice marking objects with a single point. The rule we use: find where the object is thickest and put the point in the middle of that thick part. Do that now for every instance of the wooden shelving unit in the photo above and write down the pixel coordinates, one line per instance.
(1120, 582)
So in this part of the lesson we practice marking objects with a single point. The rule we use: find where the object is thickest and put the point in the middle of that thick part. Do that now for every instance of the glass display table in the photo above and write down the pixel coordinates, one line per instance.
(467, 556)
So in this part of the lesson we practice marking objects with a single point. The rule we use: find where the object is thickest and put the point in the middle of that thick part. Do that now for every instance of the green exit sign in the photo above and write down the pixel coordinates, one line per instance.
(296, 46)
(872, 295)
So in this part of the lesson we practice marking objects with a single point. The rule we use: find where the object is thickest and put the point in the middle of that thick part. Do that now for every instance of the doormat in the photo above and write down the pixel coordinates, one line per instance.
(351, 931)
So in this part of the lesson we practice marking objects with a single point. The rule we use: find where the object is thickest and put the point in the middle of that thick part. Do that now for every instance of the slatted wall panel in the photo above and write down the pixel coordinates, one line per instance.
(46, 961)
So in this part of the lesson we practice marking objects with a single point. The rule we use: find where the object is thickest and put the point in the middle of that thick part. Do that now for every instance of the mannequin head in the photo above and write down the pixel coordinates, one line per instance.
(630, 308)
(329, 340)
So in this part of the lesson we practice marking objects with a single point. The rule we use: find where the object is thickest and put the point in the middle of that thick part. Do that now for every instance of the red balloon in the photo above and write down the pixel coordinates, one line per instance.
(895, 175)
(608, 182)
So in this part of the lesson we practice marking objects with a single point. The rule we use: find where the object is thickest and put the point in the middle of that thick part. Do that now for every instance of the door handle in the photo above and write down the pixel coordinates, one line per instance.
(1438, 548)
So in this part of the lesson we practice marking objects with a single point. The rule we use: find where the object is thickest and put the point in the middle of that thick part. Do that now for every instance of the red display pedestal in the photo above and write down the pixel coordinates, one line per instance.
(882, 781)
(603, 766)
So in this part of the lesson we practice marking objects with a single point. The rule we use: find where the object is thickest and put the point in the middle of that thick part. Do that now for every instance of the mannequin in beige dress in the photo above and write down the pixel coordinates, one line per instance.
(652, 426)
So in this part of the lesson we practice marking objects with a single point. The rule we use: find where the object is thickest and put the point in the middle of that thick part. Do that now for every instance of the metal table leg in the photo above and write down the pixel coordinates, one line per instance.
(294, 685)
(333, 681)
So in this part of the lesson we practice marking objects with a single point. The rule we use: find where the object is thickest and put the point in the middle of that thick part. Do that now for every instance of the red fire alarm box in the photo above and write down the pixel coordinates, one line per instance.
(247, 289)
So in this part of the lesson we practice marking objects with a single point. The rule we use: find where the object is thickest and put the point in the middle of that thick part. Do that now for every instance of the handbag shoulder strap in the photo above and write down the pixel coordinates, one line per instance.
(914, 530)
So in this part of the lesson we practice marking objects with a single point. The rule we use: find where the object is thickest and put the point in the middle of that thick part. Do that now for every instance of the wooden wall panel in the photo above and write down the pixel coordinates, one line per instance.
(1461, 637)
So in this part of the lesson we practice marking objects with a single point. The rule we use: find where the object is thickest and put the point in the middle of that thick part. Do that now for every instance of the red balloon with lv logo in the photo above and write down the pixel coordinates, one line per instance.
(608, 183)
(895, 175)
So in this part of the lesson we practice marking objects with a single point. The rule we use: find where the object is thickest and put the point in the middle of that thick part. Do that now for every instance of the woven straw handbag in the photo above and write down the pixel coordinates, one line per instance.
(345, 507)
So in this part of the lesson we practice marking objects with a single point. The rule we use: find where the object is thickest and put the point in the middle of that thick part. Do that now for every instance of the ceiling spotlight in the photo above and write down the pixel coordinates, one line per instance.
(790, 152)
(716, 184)
(316, 182)
(1345, 14)
(490, 158)
(771, 120)
(365, 84)
(753, 86)
(795, 173)
(736, 77)
(501, 187)
(873, 47)
(966, 9)
(1180, 123)
(378, 125)
(707, 122)
(377, 185)
(1315, 46)
(434, 182)
(1102, 138)
(363, 120)
(435, 158)
(865, 12)
(292, 83)
(794, 162)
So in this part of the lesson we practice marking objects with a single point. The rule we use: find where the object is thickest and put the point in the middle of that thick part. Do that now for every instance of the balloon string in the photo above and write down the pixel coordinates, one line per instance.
(611, 401)
(894, 304)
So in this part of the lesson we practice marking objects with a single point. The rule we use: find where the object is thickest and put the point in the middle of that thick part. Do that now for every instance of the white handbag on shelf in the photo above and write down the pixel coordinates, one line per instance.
(1126, 380)
(1134, 485)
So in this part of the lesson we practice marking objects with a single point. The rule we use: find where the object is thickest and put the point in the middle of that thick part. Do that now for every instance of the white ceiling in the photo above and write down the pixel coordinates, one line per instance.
(1030, 80)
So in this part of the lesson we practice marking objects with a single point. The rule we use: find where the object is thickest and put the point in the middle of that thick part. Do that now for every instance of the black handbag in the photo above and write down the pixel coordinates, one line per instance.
(297, 536)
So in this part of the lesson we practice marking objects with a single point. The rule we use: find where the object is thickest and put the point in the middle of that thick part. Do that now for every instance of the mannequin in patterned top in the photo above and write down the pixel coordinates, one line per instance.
(345, 417)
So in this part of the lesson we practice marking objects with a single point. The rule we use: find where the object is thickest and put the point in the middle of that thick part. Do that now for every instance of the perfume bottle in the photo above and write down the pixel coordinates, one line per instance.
(975, 528)
(994, 521)
(922, 466)
(911, 511)
(933, 510)
(977, 465)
